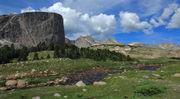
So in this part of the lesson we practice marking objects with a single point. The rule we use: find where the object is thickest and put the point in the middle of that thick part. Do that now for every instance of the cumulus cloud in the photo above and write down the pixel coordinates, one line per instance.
(28, 9)
(80, 24)
(130, 22)
(175, 22)
(101, 23)
(158, 21)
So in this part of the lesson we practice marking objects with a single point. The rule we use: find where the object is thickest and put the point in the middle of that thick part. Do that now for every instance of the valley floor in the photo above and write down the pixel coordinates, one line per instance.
(127, 83)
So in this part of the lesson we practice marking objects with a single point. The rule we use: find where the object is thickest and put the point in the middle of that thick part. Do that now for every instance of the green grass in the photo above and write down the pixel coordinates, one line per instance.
(2, 83)
(55, 66)
(119, 86)
(40, 80)
(116, 88)
(149, 88)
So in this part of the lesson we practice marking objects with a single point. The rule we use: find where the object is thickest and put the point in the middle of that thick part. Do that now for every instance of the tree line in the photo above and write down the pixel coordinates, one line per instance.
(7, 53)
(74, 52)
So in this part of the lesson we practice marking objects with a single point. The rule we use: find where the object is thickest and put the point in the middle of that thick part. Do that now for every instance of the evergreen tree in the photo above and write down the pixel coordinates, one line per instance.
(23, 53)
(56, 52)
(36, 56)
(48, 56)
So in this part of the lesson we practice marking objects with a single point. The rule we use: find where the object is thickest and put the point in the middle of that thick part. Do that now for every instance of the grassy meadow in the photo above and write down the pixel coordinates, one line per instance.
(130, 84)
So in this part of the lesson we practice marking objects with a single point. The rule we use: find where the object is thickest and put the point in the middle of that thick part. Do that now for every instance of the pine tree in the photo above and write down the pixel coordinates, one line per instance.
(36, 56)
(56, 52)
(48, 56)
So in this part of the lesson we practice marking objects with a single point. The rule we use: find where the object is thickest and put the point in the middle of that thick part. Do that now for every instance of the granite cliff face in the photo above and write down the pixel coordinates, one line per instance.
(31, 29)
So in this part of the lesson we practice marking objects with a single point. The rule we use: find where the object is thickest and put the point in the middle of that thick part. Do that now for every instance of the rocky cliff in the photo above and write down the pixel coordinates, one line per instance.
(31, 29)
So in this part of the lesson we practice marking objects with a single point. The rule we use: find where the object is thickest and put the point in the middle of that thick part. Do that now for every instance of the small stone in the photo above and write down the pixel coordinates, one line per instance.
(145, 76)
(177, 75)
(57, 95)
(122, 77)
(65, 96)
(157, 75)
(21, 83)
(11, 83)
(84, 90)
(3, 88)
(80, 84)
(33, 70)
(63, 79)
(100, 83)
(37, 97)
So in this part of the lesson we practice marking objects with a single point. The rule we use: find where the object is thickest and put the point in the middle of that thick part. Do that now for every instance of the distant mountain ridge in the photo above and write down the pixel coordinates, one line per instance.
(87, 41)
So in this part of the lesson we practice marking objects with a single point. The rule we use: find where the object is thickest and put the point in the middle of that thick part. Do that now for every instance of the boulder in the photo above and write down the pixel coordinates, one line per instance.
(80, 84)
(21, 83)
(99, 83)
(177, 75)
(11, 83)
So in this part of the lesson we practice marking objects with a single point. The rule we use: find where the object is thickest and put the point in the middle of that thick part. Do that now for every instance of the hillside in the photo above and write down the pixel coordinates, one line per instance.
(133, 49)
(87, 41)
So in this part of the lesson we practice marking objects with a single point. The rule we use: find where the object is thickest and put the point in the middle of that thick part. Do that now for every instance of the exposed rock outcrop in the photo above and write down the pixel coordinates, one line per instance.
(166, 46)
(136, 44)
(88, 41)
(31, 29)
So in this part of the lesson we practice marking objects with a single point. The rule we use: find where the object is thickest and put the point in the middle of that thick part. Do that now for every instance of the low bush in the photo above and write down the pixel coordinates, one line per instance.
(34, 81)
(149, 88)
(2, 83)
(40, 80)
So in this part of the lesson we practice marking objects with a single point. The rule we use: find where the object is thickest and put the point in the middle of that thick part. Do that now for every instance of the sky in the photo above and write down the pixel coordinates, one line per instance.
(146, 21)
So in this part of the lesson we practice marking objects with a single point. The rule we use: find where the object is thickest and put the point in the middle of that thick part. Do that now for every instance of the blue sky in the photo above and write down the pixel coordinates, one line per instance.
(146, 21)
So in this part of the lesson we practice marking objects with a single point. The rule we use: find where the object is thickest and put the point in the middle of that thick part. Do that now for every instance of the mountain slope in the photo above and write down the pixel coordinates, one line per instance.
(88, 41)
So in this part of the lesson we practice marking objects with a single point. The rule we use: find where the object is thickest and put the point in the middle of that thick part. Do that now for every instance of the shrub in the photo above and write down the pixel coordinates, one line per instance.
(48, 56)
(36, 56)
(2, 83)
(34, 81)
(149, 88)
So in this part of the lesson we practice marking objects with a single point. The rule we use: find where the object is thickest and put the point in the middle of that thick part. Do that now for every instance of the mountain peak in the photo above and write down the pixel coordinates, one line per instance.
(87, 41)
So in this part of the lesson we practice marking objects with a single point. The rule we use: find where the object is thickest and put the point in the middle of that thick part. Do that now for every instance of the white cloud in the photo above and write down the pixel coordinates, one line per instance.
(169, 11)
(147, 7)
(101, 23)
(130, 22)
(80, 24)
(175, 21)
(158, 21)
(28, 9)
